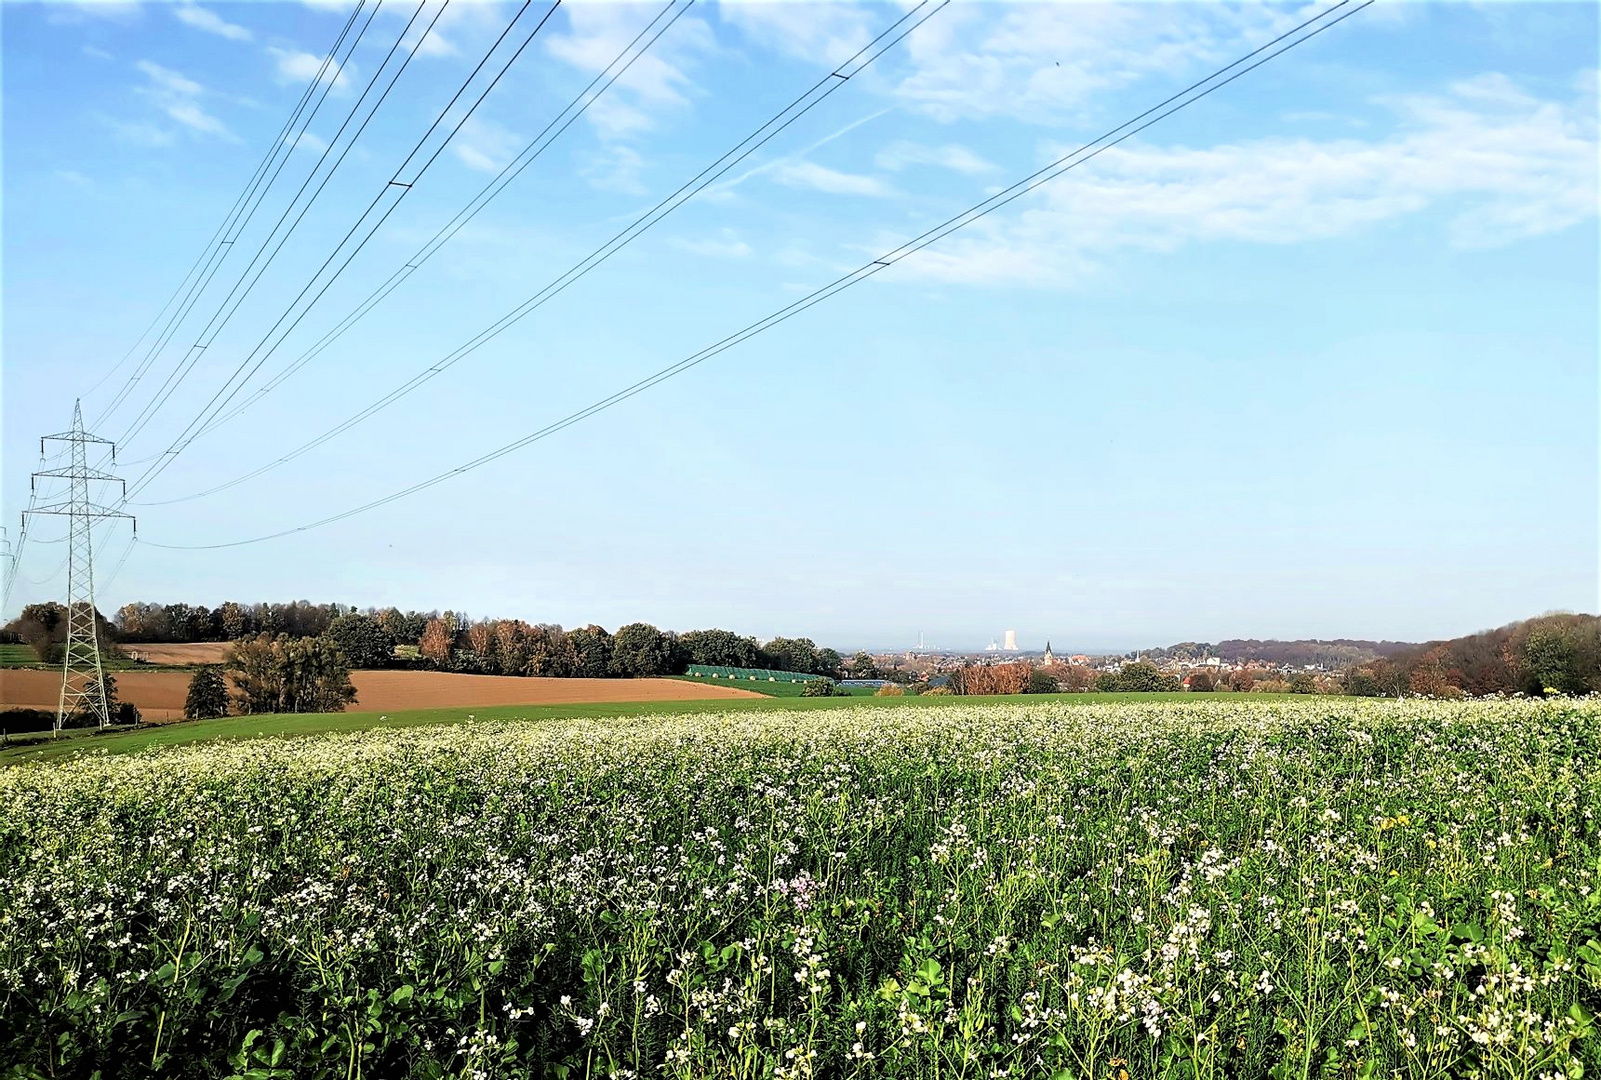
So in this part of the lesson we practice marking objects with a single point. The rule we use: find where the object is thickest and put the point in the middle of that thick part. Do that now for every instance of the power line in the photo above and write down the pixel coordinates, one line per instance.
(394, 186)
(1050, 172)
(400, 188)
(279, 143)
(535, 148)
(224, 313)
(216, 250)
(812, 97)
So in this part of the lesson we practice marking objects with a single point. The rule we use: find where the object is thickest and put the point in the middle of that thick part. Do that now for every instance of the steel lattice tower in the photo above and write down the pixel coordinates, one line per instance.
(82, 674)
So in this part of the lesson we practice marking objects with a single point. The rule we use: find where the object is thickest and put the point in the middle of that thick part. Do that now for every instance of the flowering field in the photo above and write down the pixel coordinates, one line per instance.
(1210, 889)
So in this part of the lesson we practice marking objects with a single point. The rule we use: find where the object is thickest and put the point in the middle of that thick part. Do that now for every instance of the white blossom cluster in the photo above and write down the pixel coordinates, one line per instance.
(1210, 888)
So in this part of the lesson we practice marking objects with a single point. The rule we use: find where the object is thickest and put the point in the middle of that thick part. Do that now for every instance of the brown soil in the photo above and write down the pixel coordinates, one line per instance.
(200, 652)
(159, 695)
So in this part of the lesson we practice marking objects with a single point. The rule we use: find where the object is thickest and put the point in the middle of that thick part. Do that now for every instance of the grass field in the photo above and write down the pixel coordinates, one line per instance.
(1200, 888)
(17, 655)
(770, 689)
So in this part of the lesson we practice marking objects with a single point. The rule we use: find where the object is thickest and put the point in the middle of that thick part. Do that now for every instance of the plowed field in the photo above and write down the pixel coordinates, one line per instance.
(198, 652)
(159, 695)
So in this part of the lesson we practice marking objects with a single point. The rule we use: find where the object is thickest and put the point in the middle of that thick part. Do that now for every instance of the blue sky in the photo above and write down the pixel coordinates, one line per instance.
(1315, 357)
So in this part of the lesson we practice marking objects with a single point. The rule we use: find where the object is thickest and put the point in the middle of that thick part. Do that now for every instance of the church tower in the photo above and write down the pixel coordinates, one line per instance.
(1050, 657)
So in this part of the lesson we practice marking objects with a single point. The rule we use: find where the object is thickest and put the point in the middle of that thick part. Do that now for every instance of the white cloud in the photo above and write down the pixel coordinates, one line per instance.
(202, 19)
(75, 179)
(656, 82)
(306, 141)
(833, 32)
(139, 132)
(484, 145)
(618, 169)
(1497, 164)
(1041, 63)
(64, 13)
(950, 156)
(807, 174)
(178, 98)
(98, 54)
(294, 66)
(727, 245)
(169, 81)
(191, 115)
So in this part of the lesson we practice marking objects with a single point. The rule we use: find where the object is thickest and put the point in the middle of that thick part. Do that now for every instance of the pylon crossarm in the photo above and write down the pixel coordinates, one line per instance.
(94, 510)
(87, 474)
(74, 436)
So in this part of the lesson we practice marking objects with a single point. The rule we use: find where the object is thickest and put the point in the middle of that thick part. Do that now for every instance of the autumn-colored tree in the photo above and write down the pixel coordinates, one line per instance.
(511, 646)
(974, 679)
(1200, 682)
(552, 653)
(481, 639)
(1071, 678)
(235, 620)
(435, 642)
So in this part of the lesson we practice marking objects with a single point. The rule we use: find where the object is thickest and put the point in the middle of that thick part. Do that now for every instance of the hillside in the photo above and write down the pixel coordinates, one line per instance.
(1330, 653)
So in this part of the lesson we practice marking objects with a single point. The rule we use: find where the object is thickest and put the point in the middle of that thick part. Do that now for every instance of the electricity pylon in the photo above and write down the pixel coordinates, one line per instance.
(82, 673)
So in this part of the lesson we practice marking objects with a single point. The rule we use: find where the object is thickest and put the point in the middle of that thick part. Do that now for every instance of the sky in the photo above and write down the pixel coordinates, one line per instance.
(1314, 357)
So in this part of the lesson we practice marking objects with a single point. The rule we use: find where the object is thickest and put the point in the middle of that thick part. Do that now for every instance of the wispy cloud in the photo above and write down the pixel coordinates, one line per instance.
(657, 82)
(139, 132)
(168, 81)
(294, 66)
(204, 19)
(178, 97)
(484, 145)
(726, 245)
(68, 13)
(96, 53)
(950, 156)
(831, 32)
(809, 174)
(616, 168)
(1498, 164)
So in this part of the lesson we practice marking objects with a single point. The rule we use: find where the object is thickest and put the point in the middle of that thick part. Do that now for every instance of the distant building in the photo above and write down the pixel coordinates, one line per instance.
(1011, 641)
(1050, 657)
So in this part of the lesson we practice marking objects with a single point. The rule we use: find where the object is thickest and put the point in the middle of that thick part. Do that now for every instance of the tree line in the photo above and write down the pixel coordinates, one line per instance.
(1549, 654)
(516, 647)
(447, 641)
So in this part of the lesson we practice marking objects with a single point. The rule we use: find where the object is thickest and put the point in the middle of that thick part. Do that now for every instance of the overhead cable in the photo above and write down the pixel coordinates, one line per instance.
(1183, 99)
(396, 186)
(242, 288)
(244, 208)
(792, 112)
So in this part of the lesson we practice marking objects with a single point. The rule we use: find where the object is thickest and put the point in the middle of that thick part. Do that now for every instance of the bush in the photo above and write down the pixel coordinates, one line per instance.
(1303, 683)
(13, 721)
(126, 713)
(817, 688)
(1201, 682)
(938, 691)
(890, 690)
(1140, 677)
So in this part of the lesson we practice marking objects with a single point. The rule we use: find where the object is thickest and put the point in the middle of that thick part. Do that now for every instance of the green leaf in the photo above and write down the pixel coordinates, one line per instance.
(402, 993)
